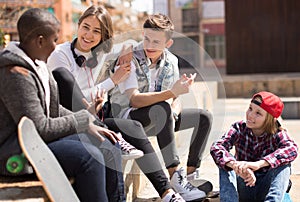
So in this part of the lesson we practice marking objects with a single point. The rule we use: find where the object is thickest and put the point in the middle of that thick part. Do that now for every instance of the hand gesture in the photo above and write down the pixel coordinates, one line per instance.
(249, 178)
(190, 80)
(126, 54)
(242, 169)
(96, 104)
(182, 85)
(98, 132)
(121, 73)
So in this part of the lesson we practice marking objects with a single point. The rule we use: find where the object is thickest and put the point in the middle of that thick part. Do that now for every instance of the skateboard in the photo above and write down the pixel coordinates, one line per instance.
(49, 172)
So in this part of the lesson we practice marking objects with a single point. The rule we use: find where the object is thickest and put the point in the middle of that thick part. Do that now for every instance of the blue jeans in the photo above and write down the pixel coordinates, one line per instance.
(91, 163)
(270, 186)
(85, 167)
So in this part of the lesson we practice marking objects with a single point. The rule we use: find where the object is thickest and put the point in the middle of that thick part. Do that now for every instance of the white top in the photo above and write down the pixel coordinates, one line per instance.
(62, 57)
(130, 82)
(86, 77)
(43, 73)
(153, 76)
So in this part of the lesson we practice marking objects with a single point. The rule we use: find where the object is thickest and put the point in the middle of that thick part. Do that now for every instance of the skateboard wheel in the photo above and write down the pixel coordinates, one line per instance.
(16, 163)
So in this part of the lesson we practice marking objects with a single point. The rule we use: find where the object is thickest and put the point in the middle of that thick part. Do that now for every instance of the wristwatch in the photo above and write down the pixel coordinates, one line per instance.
(175, 115)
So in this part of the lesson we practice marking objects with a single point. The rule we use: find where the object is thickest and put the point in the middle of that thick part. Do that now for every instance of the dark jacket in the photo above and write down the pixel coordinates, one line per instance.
(22, 94)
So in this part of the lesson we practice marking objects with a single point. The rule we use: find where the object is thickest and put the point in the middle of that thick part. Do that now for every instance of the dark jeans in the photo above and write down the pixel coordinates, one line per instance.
(68, 91)
(201, 121)
(157, 119)
(112, 161)
(132, 131)
(85, 164)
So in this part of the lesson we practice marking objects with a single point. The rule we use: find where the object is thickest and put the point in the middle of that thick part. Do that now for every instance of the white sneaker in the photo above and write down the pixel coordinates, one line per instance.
(202, 184)
(185, 188)
(128, 151)
(172, 197)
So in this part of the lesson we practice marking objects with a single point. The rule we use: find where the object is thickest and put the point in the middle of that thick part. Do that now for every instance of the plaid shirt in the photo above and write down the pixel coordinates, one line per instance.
(277, 149)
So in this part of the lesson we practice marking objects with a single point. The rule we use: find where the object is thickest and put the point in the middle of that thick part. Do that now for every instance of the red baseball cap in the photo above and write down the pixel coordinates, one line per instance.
(270, 102)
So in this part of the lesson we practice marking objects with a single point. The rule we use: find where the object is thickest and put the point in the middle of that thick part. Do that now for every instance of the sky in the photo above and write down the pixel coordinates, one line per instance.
(143, 5)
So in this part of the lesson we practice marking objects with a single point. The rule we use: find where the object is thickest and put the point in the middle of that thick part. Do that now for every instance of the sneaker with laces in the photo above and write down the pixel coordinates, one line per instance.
(195, 180)
(182, 186)
(172, 197)
(128, 151)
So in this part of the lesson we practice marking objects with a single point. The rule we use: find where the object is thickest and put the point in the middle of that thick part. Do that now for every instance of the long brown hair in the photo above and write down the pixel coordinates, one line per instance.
(105, 25)
(271, 125)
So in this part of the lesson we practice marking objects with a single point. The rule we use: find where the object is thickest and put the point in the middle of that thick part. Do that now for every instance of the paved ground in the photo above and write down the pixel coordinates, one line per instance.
(225, 112)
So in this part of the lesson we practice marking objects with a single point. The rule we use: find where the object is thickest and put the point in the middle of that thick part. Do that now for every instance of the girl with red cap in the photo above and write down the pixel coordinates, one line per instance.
(261, 166)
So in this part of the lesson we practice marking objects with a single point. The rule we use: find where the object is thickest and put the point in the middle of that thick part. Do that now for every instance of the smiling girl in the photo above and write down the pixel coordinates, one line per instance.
(261, 166)
(76, 66)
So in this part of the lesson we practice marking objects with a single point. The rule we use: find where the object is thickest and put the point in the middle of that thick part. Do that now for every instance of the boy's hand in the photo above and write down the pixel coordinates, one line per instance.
(98, 132)
(176, 106)
(182, 86)
(190, 80)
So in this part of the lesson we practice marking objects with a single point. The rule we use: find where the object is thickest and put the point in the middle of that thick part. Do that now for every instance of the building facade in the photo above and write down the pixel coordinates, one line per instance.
(11, 10)
(68, 13)
(201, 21)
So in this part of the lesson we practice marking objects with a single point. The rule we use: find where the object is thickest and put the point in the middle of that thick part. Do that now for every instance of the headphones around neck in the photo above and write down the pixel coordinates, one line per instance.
(81, 60)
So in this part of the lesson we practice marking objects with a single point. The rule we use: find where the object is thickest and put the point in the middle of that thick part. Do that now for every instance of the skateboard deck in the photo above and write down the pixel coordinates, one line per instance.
(49, 172)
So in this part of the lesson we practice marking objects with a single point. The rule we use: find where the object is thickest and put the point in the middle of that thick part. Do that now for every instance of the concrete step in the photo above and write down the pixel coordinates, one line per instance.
(243, 86)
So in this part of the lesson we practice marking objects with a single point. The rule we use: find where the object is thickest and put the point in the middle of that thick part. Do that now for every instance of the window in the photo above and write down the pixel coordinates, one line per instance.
(190, 20)
(215, 46)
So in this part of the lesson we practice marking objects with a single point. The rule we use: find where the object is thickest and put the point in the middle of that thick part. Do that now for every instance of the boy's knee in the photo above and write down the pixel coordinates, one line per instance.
(206, 117)
(162, 107)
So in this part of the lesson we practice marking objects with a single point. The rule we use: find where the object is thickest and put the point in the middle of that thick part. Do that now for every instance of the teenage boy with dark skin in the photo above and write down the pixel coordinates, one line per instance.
(28, 89)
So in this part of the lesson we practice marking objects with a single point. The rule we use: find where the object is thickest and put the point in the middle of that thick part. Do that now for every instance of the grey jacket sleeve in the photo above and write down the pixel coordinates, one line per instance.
(23, 95)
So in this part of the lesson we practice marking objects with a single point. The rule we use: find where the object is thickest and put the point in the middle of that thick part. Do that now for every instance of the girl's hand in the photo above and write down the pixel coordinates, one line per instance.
(249, 178)
(126, 54)
(242, 166)
(242, 169)
(257, 164)
(121, 73)
(95, 106)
